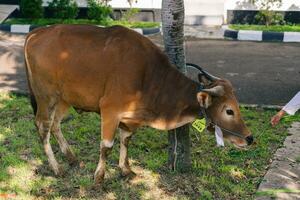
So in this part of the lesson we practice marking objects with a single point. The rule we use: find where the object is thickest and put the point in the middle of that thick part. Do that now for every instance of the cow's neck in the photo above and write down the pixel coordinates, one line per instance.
(176, 101)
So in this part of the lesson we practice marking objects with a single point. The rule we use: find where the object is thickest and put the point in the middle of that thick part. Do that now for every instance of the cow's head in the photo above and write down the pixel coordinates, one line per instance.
(222, 109)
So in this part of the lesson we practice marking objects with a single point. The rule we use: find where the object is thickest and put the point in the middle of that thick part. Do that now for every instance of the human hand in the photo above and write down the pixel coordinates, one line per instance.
(276, 118)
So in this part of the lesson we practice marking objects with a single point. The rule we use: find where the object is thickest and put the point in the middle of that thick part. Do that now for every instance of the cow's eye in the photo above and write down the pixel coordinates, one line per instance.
(229, 112)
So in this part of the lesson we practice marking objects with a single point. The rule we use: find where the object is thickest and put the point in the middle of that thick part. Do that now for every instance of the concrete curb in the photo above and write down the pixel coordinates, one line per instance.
(265, 36)
(263, 106)
(17, 28)
(281, 181)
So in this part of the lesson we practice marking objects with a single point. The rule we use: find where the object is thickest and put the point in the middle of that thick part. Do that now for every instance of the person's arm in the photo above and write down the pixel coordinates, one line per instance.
(293, 105)
(291, 108)
(276, 118)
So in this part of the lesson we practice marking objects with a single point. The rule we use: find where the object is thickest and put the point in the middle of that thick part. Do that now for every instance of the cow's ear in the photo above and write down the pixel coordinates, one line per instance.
(204, 99)
(217, 91)
(202, 79)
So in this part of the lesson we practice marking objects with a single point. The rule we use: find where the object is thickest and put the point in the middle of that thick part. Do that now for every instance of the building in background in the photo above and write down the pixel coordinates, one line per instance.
(207, 12)
(199, 12)
(204, 12)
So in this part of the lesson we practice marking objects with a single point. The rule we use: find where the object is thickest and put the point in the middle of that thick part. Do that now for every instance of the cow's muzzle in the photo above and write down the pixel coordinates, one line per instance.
(249, 139)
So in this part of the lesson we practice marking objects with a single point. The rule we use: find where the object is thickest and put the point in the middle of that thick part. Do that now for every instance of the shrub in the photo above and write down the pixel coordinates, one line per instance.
(129, 14)
(64, 9)
(267, 18)
(266, 15)
(98, 10)
(31, 8)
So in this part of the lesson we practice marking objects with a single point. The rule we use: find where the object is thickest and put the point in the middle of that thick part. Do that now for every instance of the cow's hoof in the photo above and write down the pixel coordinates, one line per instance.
(127, 173)
(59, 171)
(72, 160)
(98, 178)
(98, 182)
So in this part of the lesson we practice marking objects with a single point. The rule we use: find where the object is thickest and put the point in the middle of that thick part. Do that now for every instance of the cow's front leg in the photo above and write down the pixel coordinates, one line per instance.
(105, 149)
(123, 160)
(108, 127)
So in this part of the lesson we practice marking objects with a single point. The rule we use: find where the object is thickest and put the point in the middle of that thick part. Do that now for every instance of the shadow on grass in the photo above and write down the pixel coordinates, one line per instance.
(24, 171)
(217, 173)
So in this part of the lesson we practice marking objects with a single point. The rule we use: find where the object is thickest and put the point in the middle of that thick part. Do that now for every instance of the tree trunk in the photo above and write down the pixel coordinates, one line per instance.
(172, 25)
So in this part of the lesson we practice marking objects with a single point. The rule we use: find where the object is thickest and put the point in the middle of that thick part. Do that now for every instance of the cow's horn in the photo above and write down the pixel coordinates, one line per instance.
(215, 91)
(210, 77)
(205, 73)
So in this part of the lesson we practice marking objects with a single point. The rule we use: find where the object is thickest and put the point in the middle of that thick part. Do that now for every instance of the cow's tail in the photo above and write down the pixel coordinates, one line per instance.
(31, 94)
(29, 76)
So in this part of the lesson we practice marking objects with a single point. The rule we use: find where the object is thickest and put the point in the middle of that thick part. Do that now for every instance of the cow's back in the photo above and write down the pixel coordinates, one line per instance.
(81, 63)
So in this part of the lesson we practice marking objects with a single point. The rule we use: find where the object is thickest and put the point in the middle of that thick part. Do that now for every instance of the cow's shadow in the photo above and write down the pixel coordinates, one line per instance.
(152, 180)
(77, 181)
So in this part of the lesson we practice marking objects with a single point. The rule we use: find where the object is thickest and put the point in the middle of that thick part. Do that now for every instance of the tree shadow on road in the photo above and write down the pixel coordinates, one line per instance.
(12, 68)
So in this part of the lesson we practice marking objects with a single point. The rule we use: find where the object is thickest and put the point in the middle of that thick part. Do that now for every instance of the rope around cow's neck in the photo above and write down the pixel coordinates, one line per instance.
(175, 150)
(209, 121)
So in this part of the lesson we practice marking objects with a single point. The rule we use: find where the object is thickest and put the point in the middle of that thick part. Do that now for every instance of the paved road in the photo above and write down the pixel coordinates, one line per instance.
(263, 73)
(12, 71)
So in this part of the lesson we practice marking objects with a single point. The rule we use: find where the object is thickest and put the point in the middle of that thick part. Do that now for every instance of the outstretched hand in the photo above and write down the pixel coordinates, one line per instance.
(276, 118)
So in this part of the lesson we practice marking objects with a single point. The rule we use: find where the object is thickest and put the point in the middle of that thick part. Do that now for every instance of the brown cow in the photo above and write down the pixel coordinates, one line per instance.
(127, 79)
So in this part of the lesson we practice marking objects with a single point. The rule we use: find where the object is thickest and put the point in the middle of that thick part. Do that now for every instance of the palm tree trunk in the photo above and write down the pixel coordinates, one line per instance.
(172, 24)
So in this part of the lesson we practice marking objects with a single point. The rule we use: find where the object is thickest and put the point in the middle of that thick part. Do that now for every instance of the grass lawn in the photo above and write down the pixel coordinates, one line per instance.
(274, 28)
(51, 21)
(218, 173)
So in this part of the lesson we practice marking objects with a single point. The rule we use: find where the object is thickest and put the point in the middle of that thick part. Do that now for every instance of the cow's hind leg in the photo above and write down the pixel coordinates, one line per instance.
(123, 159)
(109, 123)
(44, 119)
(61, 110)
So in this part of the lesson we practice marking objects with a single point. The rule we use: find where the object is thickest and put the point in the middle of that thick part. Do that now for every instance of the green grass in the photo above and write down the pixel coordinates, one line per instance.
(274, 192)
(274, 28)
(51, 21)
(217, 173)
(298, 159)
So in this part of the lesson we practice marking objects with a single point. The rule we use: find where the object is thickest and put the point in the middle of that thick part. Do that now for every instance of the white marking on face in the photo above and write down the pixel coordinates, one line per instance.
(108, 143)
(227, 113)
(227, 117)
